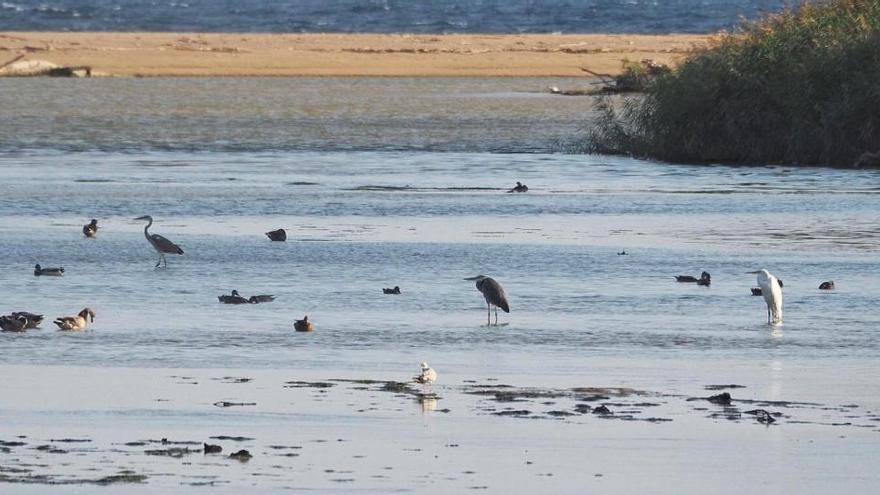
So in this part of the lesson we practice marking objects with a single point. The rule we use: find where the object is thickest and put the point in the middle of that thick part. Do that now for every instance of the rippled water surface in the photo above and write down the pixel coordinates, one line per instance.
(368, 204)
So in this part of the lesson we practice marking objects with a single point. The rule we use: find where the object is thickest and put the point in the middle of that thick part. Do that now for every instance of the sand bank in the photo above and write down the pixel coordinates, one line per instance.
(245, 54)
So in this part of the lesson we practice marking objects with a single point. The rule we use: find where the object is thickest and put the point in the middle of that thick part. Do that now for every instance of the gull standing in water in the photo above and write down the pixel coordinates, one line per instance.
(494, 295)
(427, 376)
(771, 289)
(162, 245)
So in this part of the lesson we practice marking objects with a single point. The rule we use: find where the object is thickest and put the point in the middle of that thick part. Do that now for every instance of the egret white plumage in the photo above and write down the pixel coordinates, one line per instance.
(494, 295)
(162, 245)
(772, 292)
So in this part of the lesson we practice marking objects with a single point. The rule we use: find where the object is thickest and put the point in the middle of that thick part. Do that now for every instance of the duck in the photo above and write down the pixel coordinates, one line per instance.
(50, 272)
(77, 322)
(277, 235)
(519, 188)
(622, 253)
(395, 290)
(427, 376)
(705, 279)
(756, 291)
(235, 298)
(10, 323)
(829, 285)
(33, 321)
(91, 230)
(303, 325)
(261, 298)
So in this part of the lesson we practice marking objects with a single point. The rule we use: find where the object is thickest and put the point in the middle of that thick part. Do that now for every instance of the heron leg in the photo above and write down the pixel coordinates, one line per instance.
(164, 260)
(496, 315)
(488, 314)
(160, 260)
(768, 314)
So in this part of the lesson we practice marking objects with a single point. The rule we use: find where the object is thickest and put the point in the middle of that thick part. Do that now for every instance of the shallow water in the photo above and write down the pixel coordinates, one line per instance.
(359, 219)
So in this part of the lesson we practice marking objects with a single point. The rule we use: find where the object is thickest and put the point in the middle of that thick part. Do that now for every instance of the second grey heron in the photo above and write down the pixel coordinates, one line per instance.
(162, 245)
(494, 295)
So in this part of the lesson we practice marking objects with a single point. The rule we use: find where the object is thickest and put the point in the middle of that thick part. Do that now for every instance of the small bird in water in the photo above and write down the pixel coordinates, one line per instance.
(395, 290)
(494, 295)
(77, 322)
(162, 245)
(33, 321)
(622, 253)
(303, 325)
(91, 230)
(771, 289)
(277, 235)
(427, 376)
(756, 291)
(519, 188)
(235, 298)
(829, 285)
(705, 279)
(49, 272)
(10, 323)
(261, 298)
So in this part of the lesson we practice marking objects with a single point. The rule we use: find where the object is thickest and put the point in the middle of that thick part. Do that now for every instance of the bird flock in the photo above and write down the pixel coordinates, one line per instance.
(769, 287)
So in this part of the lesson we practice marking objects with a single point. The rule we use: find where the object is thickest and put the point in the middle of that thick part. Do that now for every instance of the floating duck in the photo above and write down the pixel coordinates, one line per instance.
(49, 272)
(519, 188)
(427, 376)
(77, 322)
(261, 298)
(756, 291)
(277, 235)
(622, 253)
(91, 230)
(705, 279)
(33, 321)
(235, 298)
(9, 323)
(303, 325)
(395, 290)
(829, 285)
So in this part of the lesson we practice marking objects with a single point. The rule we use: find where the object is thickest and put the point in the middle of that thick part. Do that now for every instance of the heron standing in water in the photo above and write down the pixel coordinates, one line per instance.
(494, 294)
(162, 245)
(771, 289)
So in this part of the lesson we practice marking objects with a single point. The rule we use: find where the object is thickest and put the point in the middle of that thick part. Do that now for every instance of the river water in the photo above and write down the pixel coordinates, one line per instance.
(384, 182)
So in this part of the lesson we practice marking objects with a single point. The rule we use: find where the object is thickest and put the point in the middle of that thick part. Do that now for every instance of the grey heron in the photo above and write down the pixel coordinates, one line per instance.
(91, 230)
(427, 376)
(162, 245)
(303, 325)
(494, 295)
(829, 285)
(277, 235)
(51, 272)
(771, 289)
(77, 322)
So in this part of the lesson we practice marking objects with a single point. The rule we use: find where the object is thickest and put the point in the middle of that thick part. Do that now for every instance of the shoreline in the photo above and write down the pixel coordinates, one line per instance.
(144, 54)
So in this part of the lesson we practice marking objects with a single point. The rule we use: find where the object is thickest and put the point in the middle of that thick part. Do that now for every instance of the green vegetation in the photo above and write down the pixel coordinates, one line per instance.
(801, 86)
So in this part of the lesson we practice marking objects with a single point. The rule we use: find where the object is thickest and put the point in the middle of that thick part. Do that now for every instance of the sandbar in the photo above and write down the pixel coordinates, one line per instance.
(334, 54)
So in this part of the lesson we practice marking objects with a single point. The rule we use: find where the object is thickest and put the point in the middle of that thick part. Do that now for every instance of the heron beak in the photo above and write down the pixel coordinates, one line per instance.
(141, 218)
(477, 277)
(754, 272)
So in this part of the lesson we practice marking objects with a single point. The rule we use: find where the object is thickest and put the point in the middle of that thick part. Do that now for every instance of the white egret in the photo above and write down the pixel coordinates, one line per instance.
(771, 289)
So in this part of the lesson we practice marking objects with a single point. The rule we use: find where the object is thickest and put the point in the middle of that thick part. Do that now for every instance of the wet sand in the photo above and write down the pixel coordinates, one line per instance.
(343, 432)
(222, 54)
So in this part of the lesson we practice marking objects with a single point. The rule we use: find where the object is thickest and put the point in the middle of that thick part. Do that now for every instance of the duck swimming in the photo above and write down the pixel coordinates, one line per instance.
(91, 230)
(303, 325)
(261, 298)
(395, 290)
(235, 298)
(277, 235)
(77, 322)
(519, 188)
(33, 321)
(9, 323)
(49, 272)
(705, 279)
(829, 285)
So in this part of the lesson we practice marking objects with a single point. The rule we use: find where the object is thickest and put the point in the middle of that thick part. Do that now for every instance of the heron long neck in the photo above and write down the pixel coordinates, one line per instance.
(149, 222)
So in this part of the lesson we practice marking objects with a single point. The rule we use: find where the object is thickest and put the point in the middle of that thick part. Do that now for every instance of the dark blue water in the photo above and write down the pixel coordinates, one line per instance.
(379, 16)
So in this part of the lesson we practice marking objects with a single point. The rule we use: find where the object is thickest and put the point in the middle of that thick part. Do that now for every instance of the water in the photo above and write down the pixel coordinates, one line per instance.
(384, 182)
(381, 16)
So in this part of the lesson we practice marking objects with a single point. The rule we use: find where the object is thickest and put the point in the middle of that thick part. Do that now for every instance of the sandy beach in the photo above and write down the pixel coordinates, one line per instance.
(401, 55)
